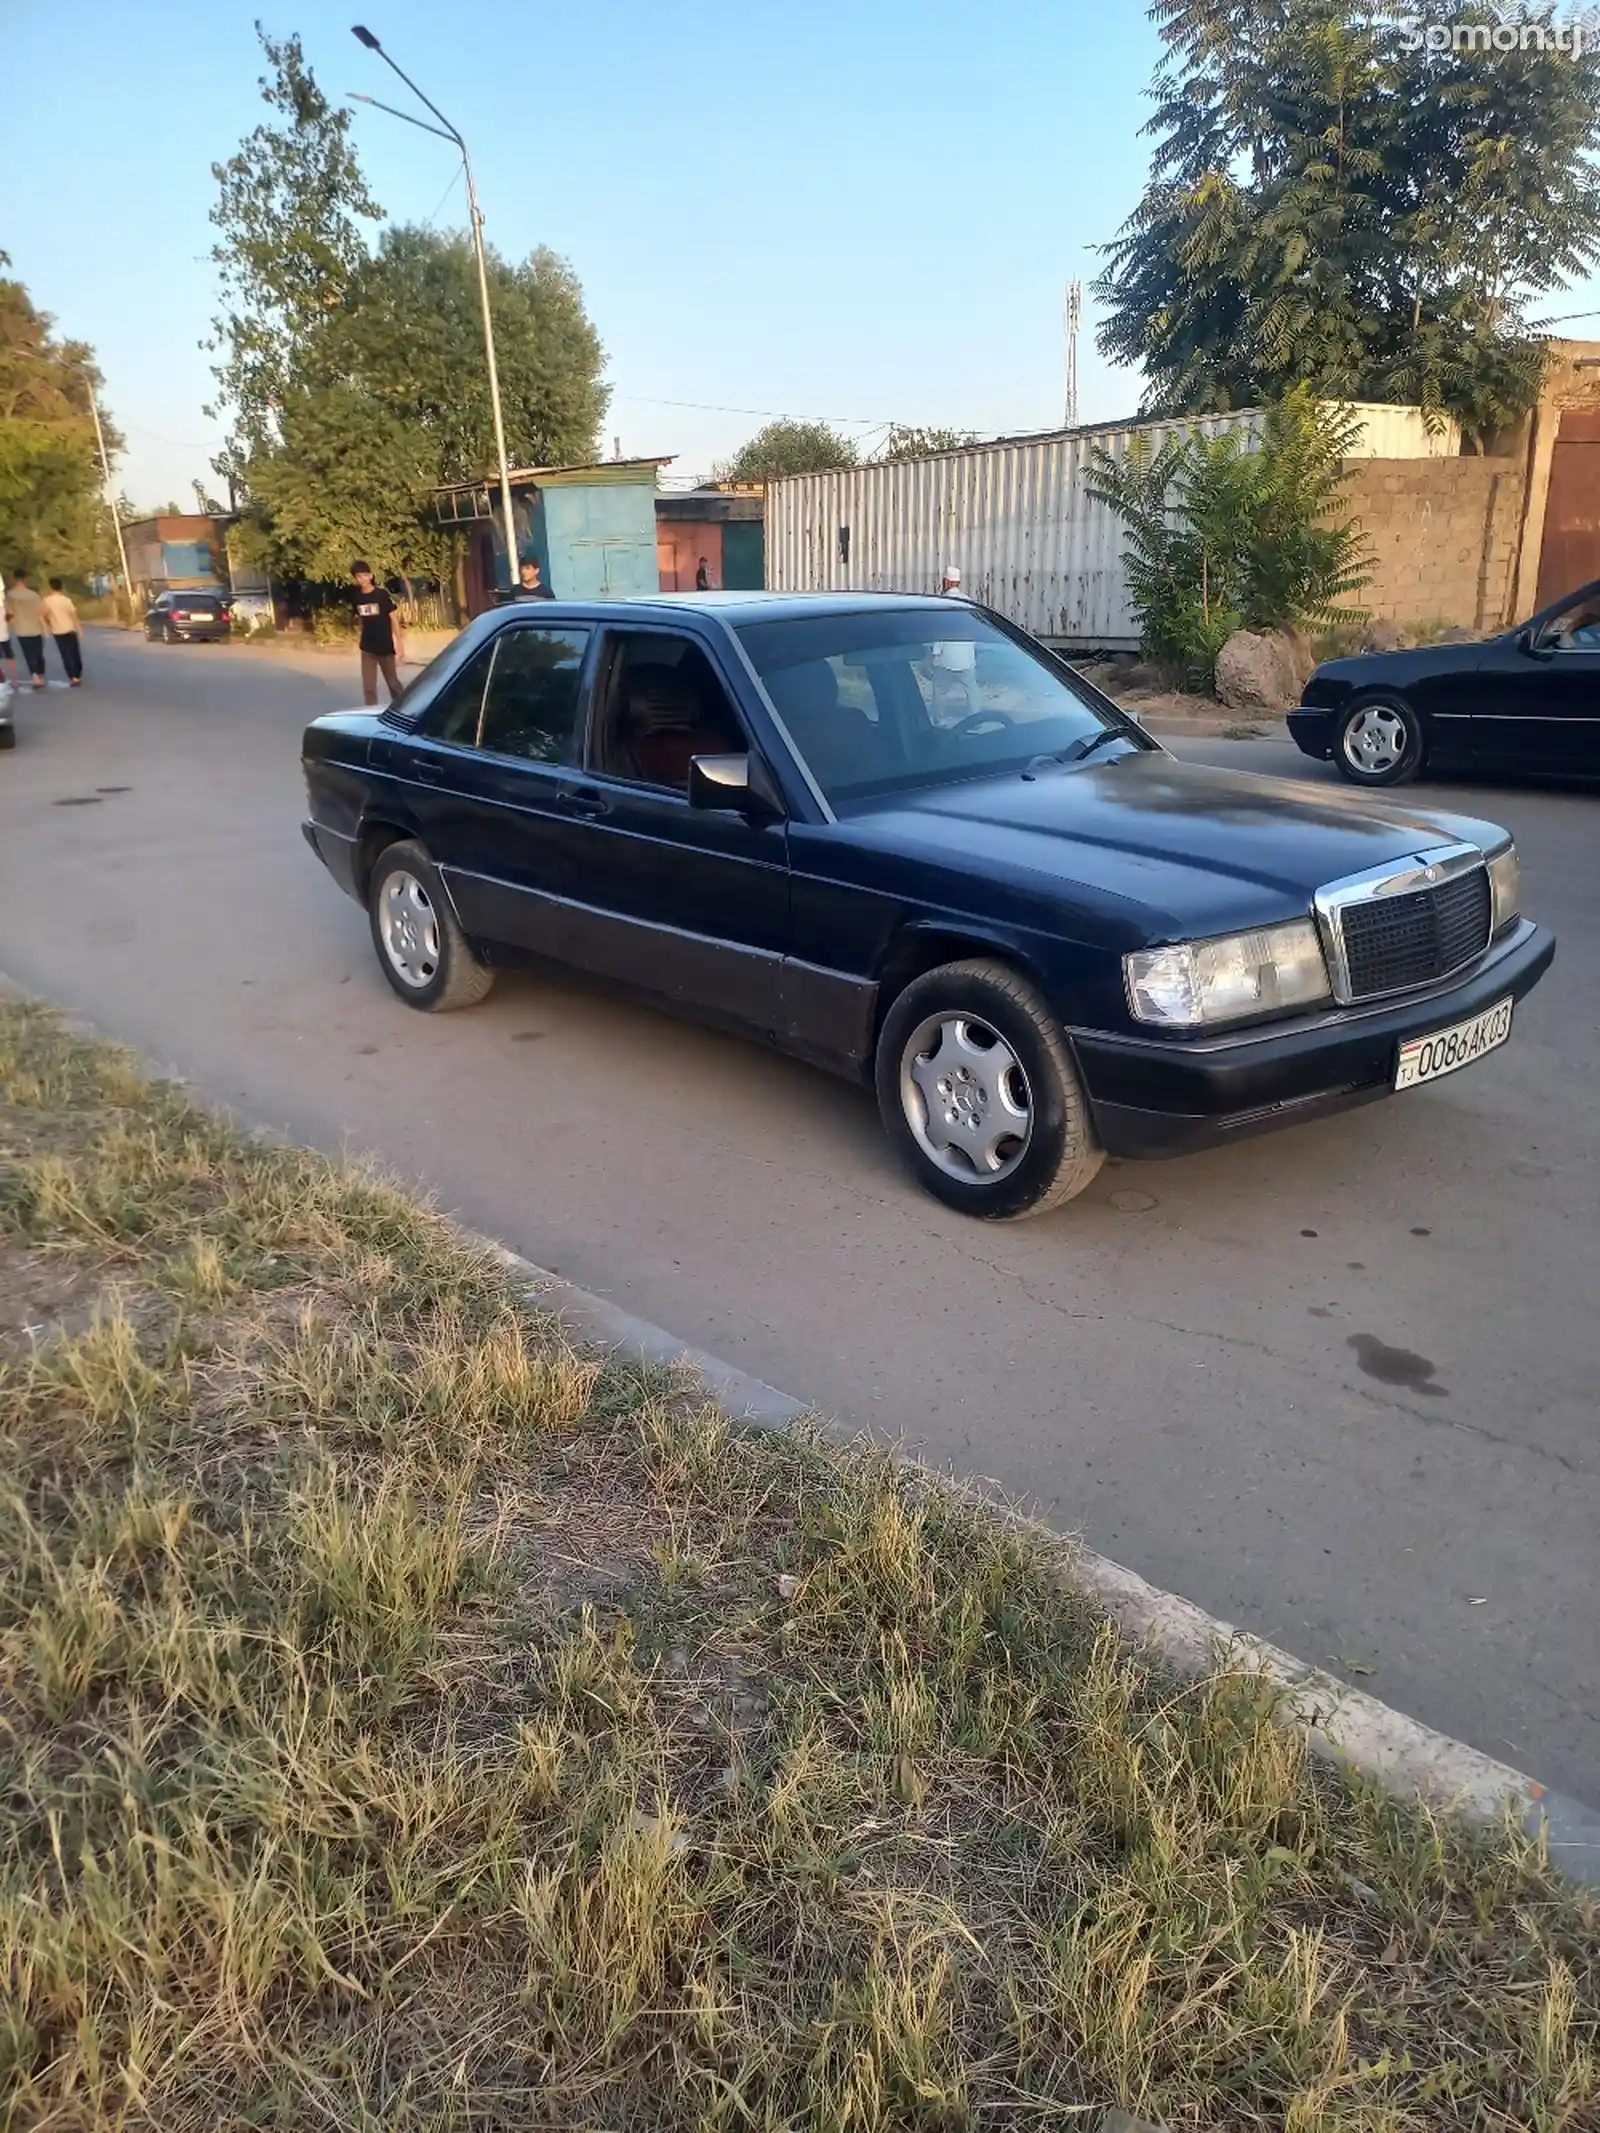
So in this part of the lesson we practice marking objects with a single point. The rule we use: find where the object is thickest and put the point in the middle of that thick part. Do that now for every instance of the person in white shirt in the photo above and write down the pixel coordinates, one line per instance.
(60, 618)
(955, 665)
(22, 619)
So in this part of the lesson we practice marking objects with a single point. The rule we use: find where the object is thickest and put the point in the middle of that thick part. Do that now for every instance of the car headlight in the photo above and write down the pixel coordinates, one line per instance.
(1505, 880)
(1198, 983)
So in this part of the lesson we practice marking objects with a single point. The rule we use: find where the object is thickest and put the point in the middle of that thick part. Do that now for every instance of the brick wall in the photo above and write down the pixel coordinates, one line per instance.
(1444, 538)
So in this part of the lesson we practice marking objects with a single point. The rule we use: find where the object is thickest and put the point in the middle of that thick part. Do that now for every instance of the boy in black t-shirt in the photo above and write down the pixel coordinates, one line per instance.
(382, 639)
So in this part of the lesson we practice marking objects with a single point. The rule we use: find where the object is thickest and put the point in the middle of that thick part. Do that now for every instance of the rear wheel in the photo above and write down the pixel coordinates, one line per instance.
(423, 952)
(1379, 742)
(978, 1091)
(8, 736)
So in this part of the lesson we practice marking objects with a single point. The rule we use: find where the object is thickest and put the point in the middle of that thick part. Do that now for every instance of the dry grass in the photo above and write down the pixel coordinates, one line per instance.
(407, 1723)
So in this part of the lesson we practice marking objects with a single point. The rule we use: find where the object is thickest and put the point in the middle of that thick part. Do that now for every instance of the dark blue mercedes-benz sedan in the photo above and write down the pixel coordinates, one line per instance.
(897, 837)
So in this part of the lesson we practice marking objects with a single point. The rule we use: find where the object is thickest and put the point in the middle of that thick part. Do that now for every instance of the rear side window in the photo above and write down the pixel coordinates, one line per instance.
(531, 706)
(455, 711)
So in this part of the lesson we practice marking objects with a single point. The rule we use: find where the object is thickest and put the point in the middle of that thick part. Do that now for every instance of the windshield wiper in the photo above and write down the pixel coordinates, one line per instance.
(1095, 741)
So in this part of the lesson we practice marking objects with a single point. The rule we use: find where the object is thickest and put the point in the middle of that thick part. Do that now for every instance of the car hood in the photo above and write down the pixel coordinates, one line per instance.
(1188, 848)
(1377, 670)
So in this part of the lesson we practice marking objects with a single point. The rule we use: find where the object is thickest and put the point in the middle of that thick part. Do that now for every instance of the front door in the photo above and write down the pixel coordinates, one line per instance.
(1537, 700)
(690, 905)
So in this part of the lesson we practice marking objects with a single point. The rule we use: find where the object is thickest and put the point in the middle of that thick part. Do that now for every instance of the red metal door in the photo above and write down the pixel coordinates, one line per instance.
(1570, 556)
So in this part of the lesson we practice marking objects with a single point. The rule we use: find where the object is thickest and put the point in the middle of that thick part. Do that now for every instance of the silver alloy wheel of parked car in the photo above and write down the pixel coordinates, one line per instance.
(966, 1098)
(409, 929)
(1375, 740)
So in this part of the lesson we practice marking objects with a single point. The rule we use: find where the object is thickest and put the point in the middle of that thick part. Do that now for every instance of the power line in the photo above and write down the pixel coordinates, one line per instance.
(443, 197)
(776, 414)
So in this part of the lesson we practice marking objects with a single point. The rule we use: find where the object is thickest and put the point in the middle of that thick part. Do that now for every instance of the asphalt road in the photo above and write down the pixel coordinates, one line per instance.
(1337, 1385)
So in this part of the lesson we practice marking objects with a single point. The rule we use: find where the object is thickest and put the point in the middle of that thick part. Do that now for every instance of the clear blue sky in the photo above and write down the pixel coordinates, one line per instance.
(849, 208)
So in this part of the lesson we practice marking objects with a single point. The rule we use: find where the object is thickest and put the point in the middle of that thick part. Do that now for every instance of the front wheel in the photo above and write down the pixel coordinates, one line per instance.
(422, 951)
(978, 1091)
(1379, 742)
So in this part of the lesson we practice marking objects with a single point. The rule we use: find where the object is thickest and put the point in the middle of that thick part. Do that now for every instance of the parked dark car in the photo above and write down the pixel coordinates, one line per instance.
(895, 836)
(184, 617)
(1525, 701)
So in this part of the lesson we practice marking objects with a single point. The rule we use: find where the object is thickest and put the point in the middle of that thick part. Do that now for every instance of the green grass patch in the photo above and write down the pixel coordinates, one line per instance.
(408, 1721)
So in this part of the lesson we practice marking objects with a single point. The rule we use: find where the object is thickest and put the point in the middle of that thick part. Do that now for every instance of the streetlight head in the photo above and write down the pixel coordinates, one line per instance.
(359, 30)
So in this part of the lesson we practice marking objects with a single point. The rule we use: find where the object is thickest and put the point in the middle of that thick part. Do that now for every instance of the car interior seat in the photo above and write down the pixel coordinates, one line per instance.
(666, 723)
(838, 740)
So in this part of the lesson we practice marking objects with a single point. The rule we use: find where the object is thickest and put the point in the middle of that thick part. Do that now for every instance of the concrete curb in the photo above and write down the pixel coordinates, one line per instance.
(1341, 1723)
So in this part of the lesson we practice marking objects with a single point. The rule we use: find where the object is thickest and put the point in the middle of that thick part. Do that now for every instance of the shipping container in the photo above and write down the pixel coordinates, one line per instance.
(1014, 516)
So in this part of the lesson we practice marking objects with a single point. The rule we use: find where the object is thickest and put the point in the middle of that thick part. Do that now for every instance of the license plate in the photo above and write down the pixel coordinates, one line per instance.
(1446, 1050)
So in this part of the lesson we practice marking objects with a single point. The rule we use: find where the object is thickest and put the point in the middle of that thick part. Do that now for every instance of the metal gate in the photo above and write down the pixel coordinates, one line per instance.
(1570, 556)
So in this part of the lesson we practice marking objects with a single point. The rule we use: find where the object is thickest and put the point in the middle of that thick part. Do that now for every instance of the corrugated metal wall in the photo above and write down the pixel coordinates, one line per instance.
(1015, 516)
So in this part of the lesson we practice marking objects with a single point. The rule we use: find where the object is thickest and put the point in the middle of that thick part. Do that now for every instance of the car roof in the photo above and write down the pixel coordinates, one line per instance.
(775, 606)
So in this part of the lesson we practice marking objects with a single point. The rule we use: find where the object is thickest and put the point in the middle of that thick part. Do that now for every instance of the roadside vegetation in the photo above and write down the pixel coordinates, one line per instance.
(1237, 532)
(411, 1722)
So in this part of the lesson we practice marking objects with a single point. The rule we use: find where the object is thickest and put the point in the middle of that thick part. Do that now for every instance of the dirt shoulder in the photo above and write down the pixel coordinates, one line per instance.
(410, 1720)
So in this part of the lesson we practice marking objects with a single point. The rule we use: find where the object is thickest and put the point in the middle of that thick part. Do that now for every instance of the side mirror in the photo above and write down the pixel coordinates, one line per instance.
(733, 784)
(1534, 645)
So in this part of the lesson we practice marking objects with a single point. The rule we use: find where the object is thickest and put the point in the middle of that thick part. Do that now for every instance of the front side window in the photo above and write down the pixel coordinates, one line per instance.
(662, 705)
(886, 702)
(531, 706)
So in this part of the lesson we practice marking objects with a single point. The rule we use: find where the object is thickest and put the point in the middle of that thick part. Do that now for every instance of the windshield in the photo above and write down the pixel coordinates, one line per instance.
(884, 703)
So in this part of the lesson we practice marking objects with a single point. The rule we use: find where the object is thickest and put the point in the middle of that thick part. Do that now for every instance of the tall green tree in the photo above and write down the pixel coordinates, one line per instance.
(1334, 199)
(289, 212)
(53, 516)
(356, 376)
(390, 400)
(786, 447)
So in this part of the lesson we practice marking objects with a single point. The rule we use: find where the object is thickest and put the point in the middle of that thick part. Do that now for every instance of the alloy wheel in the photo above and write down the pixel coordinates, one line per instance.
(409, 929)
(966, 1098)
(1375, 740)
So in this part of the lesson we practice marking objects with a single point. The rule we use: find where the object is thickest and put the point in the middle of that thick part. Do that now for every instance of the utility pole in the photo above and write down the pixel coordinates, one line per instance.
(116, 515)
(447, 132)
(1074, 322)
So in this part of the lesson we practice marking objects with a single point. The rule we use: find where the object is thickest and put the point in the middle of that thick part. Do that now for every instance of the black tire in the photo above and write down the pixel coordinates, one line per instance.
(8, 737)
(1057, 1156)
(1375, 719)
(168, 634)
(456, 977)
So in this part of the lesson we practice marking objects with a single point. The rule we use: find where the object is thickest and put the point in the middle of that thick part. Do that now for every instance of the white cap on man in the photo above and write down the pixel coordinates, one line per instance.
(952, 576)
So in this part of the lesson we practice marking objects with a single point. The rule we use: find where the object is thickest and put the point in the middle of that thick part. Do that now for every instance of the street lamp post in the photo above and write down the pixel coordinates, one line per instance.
(446, 132)
(111, 498)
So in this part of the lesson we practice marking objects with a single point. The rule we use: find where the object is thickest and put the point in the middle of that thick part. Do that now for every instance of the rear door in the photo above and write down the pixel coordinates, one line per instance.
(488, 779)
(689, 905)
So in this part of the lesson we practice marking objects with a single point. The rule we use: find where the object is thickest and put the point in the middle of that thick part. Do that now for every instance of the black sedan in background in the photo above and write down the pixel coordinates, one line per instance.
(188, 617)
(895, 836)
(1525, 701)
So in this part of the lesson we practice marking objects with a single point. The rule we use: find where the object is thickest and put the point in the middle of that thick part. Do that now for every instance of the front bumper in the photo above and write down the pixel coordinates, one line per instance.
(1152, 1097)
(1312, 728)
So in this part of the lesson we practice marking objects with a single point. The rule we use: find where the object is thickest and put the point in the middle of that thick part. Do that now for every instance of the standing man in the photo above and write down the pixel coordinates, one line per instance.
(60, 618)
(383, 643)
(8, 658)
(702, 577)
(530, 581)
(957, 660)
(23, 619)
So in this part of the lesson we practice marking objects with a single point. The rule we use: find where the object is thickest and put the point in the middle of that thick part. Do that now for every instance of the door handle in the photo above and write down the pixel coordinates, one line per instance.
(426, 771)
(584, 802)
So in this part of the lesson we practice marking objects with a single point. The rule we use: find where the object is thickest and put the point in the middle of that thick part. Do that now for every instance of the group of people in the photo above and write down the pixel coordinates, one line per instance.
(30, 617)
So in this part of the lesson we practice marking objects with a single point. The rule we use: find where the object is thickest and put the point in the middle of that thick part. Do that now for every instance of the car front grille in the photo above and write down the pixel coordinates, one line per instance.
(1394, 942)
